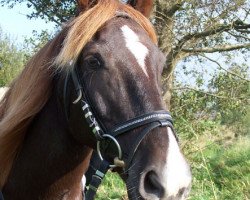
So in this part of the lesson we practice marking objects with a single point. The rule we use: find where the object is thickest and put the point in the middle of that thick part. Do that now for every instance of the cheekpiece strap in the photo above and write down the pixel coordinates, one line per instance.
(88, 114)
(92, 122)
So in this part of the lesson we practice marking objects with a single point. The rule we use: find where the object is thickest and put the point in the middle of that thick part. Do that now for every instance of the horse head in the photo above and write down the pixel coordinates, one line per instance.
(96, 85)
(119, 73)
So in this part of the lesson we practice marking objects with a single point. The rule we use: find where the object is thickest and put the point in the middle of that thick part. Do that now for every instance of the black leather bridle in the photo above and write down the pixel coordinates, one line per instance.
(98, 165)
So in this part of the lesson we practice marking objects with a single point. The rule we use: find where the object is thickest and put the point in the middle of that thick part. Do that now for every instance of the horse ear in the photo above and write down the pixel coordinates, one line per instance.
(143, 6)
(84, 5)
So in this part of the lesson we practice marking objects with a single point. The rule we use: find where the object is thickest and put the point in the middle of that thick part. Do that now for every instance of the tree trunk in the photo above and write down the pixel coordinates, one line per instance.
(167, 90)
(164, 28)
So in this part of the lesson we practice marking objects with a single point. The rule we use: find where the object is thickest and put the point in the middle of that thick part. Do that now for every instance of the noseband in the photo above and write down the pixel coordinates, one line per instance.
(147, 122)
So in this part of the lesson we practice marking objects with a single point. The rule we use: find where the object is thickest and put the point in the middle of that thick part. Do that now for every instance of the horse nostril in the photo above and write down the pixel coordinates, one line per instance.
(152, 184)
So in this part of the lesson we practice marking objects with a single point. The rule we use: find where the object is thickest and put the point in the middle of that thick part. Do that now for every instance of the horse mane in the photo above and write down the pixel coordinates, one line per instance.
(30, 91)
(26, 96)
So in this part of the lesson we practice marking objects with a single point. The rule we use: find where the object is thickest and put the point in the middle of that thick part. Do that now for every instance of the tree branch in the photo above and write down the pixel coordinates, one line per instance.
(244, 31)
(212, 31)
(229, 72)
(178, 50)
(238, 36)
(216, 48)
(171, 11)
(206, 93)
(241, 25)
(45, 13)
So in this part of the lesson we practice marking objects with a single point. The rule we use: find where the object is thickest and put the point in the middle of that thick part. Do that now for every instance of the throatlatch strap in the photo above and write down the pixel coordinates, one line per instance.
(96, 180)
(1, 196)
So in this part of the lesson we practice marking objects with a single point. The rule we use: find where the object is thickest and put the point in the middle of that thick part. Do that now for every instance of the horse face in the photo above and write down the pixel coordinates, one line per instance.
(121, 69)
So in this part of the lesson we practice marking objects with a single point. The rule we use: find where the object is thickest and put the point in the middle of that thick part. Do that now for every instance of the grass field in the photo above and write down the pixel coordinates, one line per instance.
(220, 168)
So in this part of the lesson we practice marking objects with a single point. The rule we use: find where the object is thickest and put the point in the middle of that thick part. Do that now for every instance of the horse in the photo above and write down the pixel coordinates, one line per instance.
(106, 62)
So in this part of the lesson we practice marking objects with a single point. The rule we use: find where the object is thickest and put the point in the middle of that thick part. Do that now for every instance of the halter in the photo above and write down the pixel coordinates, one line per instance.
(98, 165)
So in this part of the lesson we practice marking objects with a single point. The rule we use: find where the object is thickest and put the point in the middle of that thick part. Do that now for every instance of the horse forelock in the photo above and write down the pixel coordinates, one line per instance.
(85, 26)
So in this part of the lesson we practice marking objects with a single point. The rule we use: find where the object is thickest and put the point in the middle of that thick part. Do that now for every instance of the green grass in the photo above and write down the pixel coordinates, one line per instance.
(221, 171)
(112, 188)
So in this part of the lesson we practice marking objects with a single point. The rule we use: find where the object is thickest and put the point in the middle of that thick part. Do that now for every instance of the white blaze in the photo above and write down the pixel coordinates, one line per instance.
(176, 173)
(133, 43)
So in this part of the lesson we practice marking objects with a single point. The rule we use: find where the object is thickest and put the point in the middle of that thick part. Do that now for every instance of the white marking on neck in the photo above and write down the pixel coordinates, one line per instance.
(83, 181)
(177, 172)
(133, 43)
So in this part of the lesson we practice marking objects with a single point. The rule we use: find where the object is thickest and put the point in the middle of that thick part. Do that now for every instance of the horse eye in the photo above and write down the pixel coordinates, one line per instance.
(93, 62)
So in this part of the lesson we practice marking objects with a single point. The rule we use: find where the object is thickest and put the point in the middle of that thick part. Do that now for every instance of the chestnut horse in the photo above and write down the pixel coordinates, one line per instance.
(107, 56)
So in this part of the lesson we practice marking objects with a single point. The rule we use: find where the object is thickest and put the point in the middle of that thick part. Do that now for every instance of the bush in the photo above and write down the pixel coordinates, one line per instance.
(11, 60)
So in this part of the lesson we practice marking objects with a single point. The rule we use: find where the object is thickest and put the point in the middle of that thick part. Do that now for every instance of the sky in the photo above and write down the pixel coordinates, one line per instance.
(14, 22)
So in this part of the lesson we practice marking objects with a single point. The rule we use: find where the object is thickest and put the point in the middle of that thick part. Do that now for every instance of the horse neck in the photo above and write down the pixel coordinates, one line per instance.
(50, 163)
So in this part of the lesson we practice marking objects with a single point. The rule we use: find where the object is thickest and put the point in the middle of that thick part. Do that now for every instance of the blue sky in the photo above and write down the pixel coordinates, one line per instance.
(15, 23)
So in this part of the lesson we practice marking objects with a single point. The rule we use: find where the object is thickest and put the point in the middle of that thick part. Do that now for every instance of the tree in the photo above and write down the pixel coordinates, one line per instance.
(191, 28)
(12, 59)
(37, 41)
(225, 101)
(187, 29)
(233, 95)
(49, 10)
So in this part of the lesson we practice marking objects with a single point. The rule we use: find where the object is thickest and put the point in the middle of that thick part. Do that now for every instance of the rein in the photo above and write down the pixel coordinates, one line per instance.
(98, 165)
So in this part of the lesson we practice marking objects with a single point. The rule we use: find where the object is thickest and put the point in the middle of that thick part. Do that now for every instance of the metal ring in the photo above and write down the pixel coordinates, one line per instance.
(117, 145)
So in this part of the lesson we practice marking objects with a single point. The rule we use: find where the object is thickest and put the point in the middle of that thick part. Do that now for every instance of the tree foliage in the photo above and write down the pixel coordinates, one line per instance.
(225, 100)
(12, 59)
(50, 10)
(235, 91)
(37, 41)
(192, 29)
